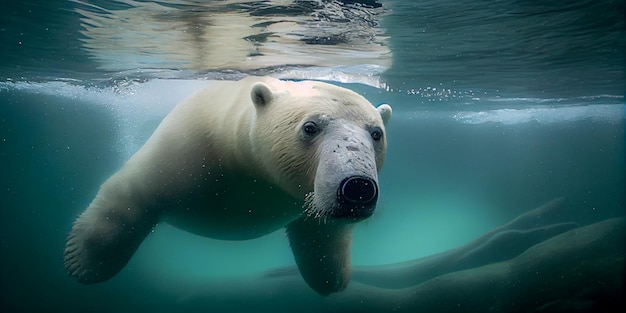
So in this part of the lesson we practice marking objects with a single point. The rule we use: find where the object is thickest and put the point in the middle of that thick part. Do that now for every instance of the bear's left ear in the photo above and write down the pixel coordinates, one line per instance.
(261, 94)
(385, 112)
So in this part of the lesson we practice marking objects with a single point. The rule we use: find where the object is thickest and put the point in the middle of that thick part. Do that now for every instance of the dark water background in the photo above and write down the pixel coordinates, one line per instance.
(498, 108)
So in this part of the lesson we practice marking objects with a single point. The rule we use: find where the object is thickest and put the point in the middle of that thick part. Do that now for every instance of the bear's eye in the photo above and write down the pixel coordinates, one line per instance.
(376, 133)
(310, 128)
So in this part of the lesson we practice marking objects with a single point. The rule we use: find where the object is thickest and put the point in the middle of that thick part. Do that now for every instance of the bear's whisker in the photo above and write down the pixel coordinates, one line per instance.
(311, 210)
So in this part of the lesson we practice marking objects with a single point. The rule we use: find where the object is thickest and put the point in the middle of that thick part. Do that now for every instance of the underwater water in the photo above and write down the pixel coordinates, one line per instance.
(498, 109)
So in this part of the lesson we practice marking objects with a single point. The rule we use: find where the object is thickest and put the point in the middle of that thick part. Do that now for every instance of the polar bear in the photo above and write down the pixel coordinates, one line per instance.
(238, 160)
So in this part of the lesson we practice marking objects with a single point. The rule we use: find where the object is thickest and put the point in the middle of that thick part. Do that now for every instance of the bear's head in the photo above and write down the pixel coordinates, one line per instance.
(321, 143)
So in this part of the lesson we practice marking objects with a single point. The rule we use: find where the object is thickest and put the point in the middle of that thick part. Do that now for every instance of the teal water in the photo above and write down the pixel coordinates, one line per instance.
(497, 109)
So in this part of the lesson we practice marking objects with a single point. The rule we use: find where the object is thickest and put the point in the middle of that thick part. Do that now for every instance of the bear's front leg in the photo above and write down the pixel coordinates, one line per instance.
(322, 252)
(105, 236)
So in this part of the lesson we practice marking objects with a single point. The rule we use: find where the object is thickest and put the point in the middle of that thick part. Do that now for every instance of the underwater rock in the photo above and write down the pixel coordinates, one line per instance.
(497, 245)
(539, 262)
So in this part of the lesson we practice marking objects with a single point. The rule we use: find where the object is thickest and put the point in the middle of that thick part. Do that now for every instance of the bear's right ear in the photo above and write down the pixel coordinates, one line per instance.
(261, 94)
(385, 112)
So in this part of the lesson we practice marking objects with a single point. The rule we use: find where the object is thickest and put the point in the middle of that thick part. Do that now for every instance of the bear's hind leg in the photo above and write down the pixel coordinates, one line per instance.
(104, 238)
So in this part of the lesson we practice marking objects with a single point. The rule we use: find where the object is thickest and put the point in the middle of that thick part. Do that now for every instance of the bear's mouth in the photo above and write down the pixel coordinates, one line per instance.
(355, 212)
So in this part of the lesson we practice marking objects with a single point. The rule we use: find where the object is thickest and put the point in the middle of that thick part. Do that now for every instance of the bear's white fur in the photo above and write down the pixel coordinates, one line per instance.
(237, 160)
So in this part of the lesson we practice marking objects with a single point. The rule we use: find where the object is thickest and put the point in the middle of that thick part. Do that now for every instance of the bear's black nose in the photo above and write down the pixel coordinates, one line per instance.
(357, 197)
